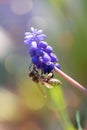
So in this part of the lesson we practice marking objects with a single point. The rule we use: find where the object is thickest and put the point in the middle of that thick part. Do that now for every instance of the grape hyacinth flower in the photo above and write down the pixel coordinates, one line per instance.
(41, 53)
(43, 57)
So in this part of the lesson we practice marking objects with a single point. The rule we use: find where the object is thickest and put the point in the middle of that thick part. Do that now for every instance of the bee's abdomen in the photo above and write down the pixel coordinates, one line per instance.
(54, 81)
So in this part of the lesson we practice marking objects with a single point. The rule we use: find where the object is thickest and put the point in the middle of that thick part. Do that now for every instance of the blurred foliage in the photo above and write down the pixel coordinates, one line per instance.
(58, 100)
(78, 120)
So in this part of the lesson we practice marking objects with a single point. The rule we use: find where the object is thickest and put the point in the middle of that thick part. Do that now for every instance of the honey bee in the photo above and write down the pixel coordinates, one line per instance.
(46, 80)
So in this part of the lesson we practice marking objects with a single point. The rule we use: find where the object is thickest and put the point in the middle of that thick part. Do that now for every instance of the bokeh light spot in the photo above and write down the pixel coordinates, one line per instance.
(30, 125)
(8, 105)
(5, 43)
(37, 21)
(31, 95)
(21, 7)
(66, 40)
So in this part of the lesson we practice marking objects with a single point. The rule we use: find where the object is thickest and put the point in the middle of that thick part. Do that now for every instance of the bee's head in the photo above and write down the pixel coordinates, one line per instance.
(31, 74)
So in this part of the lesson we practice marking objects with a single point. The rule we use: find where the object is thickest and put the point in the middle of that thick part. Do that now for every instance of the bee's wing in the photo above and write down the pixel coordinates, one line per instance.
(48, 85)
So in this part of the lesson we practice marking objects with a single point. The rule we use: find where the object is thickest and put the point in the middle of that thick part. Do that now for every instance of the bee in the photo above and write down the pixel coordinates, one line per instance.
(49, 81)
(46, 80)
(35, 75)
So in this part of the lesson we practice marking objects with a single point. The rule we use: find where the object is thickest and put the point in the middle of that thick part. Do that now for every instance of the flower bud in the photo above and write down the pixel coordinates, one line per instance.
(34, 60)
(48, 49)
(42, 44)
(53, 57)
(46, 57)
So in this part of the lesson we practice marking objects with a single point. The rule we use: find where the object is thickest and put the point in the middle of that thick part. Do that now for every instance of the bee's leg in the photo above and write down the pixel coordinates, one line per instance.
(49, 76)
(42, 72)
(30, 66)
(47, 85)
(35, 68)
(52, 74)
(41, 90)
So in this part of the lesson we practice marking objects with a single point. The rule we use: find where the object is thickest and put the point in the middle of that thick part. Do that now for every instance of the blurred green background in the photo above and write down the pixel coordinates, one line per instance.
(22, 106)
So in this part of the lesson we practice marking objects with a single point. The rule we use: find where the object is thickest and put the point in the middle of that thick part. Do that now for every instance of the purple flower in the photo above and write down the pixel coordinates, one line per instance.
(46, 58)
(48, 49)
(42, 44)
(53, 57)
(58, 65)
(35, 35)
(41, 37)
(40, 52)
(33, 45)
(35, 60)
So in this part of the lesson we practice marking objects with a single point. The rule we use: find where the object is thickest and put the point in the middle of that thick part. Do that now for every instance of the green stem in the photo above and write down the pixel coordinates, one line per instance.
(58, 99)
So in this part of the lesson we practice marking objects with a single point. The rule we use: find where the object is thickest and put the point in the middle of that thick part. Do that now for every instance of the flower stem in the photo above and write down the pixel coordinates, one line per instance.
(70, 80)
(61, 112)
